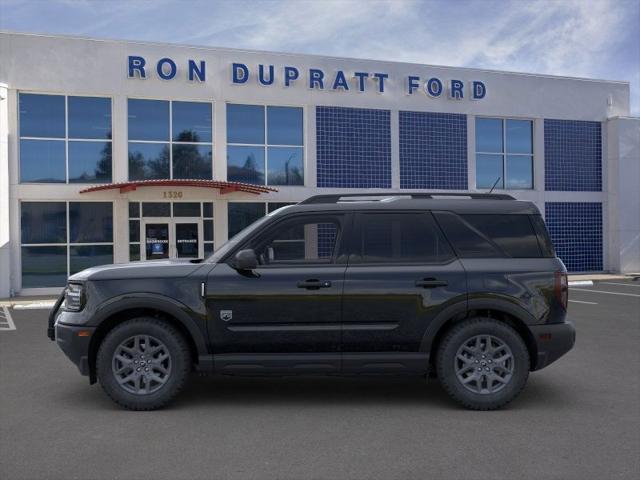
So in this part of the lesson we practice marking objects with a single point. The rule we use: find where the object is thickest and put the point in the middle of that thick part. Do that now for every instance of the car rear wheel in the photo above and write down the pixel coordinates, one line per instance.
(143, 363)
(483, 363)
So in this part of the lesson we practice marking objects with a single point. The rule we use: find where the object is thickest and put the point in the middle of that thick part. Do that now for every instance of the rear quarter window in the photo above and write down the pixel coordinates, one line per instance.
(490, 235)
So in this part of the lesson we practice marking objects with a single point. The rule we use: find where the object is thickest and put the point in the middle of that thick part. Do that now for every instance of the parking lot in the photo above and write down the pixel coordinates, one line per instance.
(577, 419)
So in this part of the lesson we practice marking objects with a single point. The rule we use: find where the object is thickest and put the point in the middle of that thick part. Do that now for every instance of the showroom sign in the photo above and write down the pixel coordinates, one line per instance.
(313, 78)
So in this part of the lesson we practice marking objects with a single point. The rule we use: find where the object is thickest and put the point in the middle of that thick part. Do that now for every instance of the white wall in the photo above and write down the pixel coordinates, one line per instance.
(5, 245)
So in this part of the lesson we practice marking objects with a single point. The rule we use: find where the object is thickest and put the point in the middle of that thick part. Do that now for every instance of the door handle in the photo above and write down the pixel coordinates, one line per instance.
(314, 284)
(430, 283)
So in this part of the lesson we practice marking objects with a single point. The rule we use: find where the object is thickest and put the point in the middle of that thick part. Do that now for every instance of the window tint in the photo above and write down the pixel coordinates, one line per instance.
(467, 242)
(402, 237)
(42, 116)
(192, 161)
(241, 215)
(89, 162)
(245, 124)
(90, 222)
(42, 161)
(148, 161)
(44, 222)
(148, 120)
(285, 166)
(514, 234)
(489, 135)
(191, 122)
(156, 209)
(44, 266)
(284, 125)
(86, 256)
(546, 245)
(307, 240)
(89, 117)
(245, 164)
(187, 209)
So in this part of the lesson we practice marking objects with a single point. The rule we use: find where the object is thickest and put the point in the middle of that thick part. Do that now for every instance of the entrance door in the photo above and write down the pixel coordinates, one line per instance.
(172, 238)
(187, 234)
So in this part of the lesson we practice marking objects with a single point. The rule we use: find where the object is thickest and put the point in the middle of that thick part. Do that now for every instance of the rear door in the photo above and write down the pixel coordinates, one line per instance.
(401, 274)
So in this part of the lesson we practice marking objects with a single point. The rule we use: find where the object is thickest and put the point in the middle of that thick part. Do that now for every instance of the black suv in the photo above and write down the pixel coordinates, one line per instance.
(463, 287)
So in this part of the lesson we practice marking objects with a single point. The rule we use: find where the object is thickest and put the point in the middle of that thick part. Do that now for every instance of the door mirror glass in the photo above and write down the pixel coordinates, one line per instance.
(246, 260)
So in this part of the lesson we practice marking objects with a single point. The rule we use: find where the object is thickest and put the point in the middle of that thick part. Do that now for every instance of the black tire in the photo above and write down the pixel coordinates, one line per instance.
(176, 366)
(490, 394)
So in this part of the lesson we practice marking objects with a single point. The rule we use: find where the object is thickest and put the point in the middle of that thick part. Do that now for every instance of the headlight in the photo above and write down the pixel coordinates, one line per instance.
(74, 297)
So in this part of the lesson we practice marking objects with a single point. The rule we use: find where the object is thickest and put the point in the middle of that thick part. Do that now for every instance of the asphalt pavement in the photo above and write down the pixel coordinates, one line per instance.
(577, 419)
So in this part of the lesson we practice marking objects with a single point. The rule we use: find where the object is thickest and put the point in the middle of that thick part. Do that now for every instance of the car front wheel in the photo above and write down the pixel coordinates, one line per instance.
(143, 363)
(483, 363)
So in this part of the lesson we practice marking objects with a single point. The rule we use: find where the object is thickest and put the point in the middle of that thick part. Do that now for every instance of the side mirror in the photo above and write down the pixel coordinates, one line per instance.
(246, 260)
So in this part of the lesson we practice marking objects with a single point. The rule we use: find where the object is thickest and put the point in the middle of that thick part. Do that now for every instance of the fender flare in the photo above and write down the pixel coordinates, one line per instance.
(161, 303)
(491, 302)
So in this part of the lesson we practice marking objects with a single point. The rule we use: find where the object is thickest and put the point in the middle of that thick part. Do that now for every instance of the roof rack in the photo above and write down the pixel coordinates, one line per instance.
(388, 196)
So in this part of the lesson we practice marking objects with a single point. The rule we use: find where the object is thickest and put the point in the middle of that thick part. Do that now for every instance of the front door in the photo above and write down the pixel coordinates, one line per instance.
(286, 313)
(401, 275)
(172, 238)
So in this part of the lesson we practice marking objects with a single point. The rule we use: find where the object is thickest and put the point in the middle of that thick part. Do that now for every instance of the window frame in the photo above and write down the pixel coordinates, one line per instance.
(340, 251)
(170, 142)
(266, 145)
(67, 243)
(355, 253)
(66, 139)
(504, 154)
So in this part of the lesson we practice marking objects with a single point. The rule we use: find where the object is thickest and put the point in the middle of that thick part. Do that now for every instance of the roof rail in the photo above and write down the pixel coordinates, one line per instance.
(355, 197)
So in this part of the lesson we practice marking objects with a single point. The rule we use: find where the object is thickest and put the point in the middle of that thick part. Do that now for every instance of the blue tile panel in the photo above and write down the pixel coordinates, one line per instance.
(576, 231)
(433, 150)
(572, 156)
(327, 234)
(353, 147)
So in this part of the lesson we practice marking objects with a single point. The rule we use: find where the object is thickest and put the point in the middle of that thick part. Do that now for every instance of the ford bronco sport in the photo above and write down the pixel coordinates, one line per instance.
(463, 287)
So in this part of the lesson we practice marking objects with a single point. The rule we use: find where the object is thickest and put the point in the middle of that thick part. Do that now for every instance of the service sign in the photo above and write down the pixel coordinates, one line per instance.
(313, 78)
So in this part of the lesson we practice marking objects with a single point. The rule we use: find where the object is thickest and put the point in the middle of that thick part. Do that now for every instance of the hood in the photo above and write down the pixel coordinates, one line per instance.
(139, 270)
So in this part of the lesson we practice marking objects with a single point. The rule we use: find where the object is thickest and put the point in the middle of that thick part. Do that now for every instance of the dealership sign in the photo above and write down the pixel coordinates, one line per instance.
(313, 78)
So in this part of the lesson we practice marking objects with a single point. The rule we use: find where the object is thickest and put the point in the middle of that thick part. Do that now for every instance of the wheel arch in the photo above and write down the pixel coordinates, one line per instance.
(121, 310)
(504, 311)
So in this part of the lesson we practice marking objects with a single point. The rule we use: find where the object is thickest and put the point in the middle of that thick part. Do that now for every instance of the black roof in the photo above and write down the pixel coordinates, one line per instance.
(453, 202)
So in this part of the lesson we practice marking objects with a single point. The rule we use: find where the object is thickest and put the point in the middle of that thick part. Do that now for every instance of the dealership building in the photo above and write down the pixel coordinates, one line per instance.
(115, 151)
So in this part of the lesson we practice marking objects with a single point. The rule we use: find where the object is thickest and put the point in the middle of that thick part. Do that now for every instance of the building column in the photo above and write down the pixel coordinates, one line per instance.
(623, 195)
(5, 243)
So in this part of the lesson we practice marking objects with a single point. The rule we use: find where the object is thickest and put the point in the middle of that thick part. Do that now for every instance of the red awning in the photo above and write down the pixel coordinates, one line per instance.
(224, 187)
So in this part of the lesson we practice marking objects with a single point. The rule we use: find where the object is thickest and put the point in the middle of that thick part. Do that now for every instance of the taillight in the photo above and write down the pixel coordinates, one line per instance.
(562, 289)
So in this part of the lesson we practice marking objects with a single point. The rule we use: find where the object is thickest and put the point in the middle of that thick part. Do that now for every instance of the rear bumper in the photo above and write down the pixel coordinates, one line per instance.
(552, 341)
(74, 342)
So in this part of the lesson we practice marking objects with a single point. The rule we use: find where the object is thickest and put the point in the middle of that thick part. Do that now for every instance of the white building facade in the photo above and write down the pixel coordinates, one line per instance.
(113, 151)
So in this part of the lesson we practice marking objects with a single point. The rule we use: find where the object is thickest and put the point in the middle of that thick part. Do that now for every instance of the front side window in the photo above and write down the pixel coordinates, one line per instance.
(65, 139)
(170, 140)
(304, 240)
(265, 145)
(504, 153)
(401, 238)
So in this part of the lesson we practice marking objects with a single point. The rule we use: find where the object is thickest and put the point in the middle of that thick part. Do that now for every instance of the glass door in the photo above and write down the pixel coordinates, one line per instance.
(156, 239)
(188, 238)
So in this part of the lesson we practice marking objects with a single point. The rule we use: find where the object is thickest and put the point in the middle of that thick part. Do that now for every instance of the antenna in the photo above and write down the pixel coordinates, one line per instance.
(494, 184)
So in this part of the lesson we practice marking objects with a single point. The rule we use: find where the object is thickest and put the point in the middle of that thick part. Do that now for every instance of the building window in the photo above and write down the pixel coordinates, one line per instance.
(504, 153)
(170, 140)
(59, 239)
(242, 214)
(265, 145)
(65, 139)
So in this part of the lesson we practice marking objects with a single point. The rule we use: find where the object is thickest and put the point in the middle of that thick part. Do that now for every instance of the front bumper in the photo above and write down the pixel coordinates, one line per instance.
(74, 342)
(552, 341)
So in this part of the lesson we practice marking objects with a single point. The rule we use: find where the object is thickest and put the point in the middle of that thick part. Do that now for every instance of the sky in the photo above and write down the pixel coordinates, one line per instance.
(579, 38)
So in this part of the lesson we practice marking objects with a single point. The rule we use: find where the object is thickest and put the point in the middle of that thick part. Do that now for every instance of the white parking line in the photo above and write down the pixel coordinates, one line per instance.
(602, 291)
(6, 322)
(580, 301)
(622, 284)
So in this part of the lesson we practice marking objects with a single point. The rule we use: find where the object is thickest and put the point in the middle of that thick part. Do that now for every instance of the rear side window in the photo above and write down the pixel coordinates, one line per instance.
(543, 236)
(401, 238)
(513, 234)
(490, 235)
